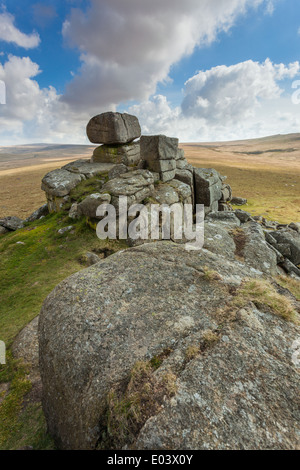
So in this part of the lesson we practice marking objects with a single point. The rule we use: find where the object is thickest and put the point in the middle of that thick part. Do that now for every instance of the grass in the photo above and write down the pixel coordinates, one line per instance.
(293, 285)
(262, 293)
(130, 408)
(28, 273)
(270, 185)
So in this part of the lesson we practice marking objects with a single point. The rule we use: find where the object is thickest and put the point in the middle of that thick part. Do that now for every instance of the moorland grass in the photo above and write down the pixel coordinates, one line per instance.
(33, 261)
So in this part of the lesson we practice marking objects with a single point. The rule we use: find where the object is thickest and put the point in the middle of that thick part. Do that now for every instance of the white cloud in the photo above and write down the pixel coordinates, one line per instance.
(32, 114)
(235, 92)
(10, 33)
(127, 47)
(226, 103)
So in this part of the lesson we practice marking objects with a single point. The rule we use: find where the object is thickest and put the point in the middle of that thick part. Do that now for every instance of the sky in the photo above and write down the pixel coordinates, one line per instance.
(200, 70)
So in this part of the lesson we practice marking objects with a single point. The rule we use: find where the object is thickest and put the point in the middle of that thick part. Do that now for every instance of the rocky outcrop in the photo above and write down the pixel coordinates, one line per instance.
(11, 224)
(203, 327)
(38, 214)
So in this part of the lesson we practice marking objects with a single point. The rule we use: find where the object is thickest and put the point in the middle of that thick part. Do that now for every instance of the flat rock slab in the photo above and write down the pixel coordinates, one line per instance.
(113, 128)
(60, 182)
(87, 168)
(136, 185)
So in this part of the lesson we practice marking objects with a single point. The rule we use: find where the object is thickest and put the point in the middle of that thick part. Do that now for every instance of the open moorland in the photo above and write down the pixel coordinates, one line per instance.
(265, 171)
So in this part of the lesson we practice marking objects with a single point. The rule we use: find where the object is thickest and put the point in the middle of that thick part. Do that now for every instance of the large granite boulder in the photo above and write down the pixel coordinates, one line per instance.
(113, 128)
(208, 188)
(288, 243)
(128, 154)
(88, 207)
(160, 305)
(60, 182)
(12, 223)
(160, 153)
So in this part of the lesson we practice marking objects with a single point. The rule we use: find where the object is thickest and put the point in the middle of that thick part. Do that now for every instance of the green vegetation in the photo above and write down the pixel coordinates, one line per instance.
(262, 293)
(129, 409)
(85, 188)
(32, 262)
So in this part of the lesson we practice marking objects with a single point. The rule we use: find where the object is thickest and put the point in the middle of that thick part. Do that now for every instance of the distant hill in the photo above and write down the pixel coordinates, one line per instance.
(34, 154)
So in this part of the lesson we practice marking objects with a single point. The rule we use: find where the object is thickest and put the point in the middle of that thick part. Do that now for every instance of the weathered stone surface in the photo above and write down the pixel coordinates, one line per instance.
(228, 218)
(228, 399)
(186, 176)
(226, 193)
(182, 164)
(208, 188)
(73, 212)
(218, 240)
(159, 166)
(238, 201)
(88, 207)
(184, 191)
(224, 207)
(167, 175)
(88, 169)
(12, 223)
(172, 192)
(128, 155)
(295, 226)
(92, 258)
(256, 252)
(36, 215)
(165, 194)
(290, 268)
(288, 237)
(243, 216)
(56, 203)
(158, 147)
(60, 182)
(136, 185)
(180, 154)
(3, 230)
(113, 128)
(96, 325)
(25, 345)
(117, 171)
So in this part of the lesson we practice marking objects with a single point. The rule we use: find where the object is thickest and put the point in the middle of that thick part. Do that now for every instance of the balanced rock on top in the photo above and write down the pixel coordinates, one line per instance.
(113, 128)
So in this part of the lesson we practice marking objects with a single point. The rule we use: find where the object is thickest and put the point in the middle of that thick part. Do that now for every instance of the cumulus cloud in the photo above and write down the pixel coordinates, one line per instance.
(10, 33)
(127, 47)
(32, 113)
(226, 102)
(232, 93)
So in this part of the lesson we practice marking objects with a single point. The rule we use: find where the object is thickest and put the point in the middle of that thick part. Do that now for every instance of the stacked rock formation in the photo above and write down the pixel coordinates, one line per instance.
(116, 132)
(152, 167)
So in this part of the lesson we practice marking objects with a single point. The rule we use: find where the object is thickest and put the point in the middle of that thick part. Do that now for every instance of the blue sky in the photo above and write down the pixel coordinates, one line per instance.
(200, 69)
